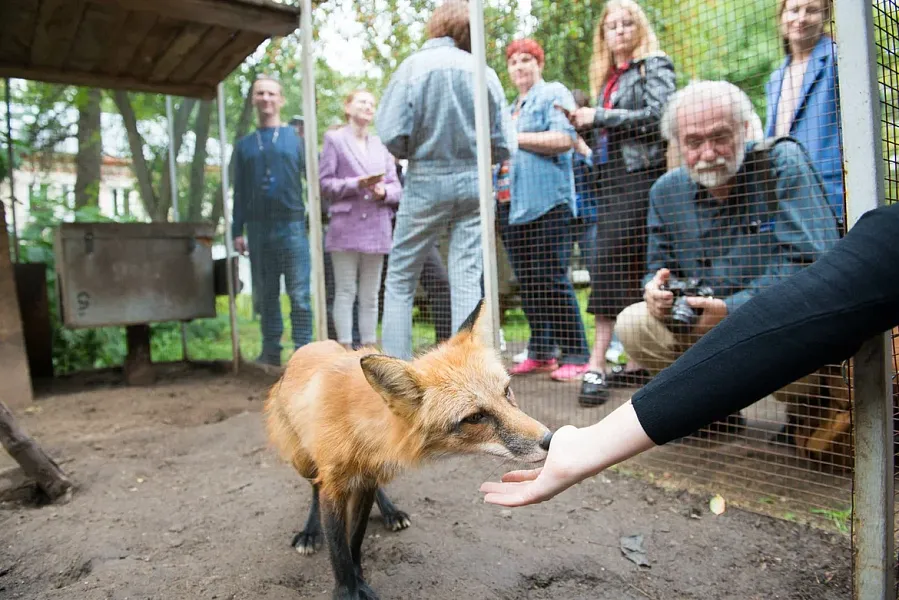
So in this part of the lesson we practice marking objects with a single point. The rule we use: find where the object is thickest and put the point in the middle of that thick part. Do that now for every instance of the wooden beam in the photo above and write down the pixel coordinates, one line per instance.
(100, 80)
(266, 18)
(57, 23)
(136, 29)
(157, 40)
(16, 389)
(211, 45)
(229, 57)
(184, 45)
(17, 19)
(93, 46)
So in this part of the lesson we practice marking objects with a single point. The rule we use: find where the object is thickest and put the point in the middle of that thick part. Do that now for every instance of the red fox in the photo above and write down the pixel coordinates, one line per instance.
(351, 421)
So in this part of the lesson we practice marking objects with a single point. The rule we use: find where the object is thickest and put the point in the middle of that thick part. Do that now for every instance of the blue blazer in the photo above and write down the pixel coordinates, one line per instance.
(816, 122)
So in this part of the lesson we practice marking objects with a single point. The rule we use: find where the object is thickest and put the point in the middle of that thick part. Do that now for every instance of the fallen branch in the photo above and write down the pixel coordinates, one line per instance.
(34, 461)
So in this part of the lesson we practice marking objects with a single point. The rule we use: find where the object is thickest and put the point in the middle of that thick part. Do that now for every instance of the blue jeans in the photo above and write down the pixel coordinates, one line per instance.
(281, 248)
(433, 202)
(540, 253)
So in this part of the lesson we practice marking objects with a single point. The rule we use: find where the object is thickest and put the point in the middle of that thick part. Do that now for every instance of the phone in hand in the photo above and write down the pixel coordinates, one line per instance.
(370, 180)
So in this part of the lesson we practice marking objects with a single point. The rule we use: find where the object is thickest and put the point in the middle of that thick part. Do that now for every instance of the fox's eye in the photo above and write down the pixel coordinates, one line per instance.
(474, 419)
(509, 395)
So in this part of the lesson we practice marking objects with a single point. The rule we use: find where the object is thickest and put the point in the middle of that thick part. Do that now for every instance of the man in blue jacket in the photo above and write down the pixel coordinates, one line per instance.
(269, 165)
(736, 216)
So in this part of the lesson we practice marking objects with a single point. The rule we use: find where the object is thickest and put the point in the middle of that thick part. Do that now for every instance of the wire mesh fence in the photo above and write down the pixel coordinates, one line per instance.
(653, 168)
(655, 164)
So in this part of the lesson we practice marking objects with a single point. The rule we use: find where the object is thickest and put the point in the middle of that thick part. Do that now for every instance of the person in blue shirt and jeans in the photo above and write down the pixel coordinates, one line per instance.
(536, 223)
(269, 165)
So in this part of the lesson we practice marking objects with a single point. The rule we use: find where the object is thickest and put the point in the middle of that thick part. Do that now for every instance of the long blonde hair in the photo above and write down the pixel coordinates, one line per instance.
(601, 61)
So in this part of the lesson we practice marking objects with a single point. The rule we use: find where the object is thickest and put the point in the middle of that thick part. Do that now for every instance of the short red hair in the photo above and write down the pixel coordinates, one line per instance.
(527, 46)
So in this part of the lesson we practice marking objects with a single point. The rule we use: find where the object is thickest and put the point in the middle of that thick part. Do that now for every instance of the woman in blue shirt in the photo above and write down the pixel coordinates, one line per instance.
(802, 93)
(536, 221)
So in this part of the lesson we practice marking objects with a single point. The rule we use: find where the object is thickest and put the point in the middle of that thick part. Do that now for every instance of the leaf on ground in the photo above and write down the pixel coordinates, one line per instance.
(632, 548)
(717, 504)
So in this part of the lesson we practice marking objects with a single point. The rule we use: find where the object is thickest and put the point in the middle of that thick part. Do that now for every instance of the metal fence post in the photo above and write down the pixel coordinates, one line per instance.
(485, 173)
(313, 192)
(872, 496)
(229, 241)
(173, 190)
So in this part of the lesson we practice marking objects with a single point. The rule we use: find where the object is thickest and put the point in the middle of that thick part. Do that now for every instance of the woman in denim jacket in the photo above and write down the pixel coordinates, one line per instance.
(536, 224)
(631, 81)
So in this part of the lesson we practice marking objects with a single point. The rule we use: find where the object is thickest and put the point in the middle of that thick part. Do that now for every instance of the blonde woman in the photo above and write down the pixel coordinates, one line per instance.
(631, 80)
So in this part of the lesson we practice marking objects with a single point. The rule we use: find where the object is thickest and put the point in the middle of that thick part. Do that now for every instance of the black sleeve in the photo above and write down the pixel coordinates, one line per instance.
(819, 316)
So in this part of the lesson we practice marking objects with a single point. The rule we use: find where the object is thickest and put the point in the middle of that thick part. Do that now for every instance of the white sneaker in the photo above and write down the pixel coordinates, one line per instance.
(520, 357)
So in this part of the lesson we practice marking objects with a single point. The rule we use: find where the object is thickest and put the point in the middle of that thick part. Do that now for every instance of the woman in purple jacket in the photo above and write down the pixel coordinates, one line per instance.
(358, 177)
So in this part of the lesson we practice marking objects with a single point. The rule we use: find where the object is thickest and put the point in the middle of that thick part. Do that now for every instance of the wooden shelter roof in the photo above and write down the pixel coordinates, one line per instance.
(177, 47)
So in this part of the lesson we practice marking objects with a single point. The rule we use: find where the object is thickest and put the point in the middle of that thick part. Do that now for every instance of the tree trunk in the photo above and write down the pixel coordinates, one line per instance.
(34, 462)
(243, 125)
(181, 119)
(198, 165)
(138, 161)
(90, 150)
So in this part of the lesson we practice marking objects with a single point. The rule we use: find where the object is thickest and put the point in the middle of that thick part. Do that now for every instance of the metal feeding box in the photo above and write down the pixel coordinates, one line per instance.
(114, 274)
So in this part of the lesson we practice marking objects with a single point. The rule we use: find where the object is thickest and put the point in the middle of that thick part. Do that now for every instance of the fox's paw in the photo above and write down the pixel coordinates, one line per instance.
(365, 592)
(396, 520)
(307, 543)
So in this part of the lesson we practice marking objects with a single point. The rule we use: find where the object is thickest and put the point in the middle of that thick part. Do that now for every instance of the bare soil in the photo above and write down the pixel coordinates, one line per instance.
(179, 497)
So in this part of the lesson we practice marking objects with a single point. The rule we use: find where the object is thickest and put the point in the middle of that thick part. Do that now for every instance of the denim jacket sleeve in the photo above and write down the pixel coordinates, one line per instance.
(395, 114)
(659, 250)
(658, 85)
(392, 183)
(804, 225)
(502, 134)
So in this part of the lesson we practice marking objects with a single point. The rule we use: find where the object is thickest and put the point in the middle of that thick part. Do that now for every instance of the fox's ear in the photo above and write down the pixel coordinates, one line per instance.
(395, 380)
(475, 324)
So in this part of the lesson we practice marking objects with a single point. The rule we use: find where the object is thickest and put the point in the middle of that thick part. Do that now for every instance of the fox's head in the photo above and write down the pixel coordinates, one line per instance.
(457, 398)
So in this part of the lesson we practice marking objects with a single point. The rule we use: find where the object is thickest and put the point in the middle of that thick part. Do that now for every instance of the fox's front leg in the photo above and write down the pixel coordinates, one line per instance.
(306, 541)
(394, 518)
(344, 522)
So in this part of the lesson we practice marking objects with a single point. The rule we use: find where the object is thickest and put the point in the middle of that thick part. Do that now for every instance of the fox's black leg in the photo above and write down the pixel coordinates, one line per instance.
(360, 511)
(334, 513)
(394, 519)
(308, 540)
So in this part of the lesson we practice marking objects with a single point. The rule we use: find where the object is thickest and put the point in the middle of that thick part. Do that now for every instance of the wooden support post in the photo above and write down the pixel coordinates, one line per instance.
(34, 462)
(16, 390)
(138, 366)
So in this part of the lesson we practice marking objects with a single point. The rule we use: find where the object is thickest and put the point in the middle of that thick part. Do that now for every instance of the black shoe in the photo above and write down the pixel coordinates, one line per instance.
(619, 378)
(268, 361)
(594, 390)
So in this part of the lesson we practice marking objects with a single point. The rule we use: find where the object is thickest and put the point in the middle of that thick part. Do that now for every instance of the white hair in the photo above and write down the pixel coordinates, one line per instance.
(710, 93)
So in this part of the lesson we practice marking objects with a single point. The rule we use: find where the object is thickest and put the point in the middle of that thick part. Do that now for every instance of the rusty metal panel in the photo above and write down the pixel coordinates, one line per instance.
(132, 273)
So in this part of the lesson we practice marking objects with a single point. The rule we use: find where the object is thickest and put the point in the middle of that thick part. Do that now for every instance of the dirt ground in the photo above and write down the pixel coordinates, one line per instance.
(179, 497)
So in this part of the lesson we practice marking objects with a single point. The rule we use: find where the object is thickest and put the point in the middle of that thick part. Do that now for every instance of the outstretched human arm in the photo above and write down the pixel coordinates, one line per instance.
(819, 316)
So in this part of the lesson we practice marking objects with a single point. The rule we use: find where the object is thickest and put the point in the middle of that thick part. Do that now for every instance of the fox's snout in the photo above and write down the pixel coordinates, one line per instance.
(547, 438)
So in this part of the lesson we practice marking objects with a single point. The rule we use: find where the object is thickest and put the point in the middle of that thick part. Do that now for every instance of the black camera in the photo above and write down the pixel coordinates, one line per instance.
(684, 316)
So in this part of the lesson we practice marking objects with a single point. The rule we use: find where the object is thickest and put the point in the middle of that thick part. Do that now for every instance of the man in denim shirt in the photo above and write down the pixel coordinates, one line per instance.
(426, 115)
(269, 165)
(738, 216)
